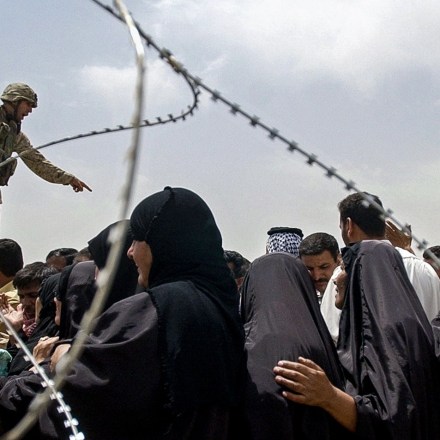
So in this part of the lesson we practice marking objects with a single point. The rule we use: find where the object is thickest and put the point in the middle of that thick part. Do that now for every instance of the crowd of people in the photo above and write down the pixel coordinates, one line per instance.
(308, 341)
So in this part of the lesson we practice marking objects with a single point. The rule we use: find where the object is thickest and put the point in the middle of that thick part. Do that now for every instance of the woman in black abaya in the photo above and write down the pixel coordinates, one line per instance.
(282, 321)
(77, 284)
(386, 347)
(166, 363)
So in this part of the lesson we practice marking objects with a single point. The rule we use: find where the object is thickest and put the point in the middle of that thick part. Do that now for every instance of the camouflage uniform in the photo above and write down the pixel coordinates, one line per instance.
(13, 140)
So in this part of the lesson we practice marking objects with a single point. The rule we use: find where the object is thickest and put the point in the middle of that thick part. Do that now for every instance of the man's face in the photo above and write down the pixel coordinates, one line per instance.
(140, 253)
(320, 267)
(28, 296)
(23, 109)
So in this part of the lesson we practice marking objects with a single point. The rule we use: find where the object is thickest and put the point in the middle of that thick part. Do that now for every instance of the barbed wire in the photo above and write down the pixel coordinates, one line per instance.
(195, 84)
(151, 122)
(158, 120)
(273, 133)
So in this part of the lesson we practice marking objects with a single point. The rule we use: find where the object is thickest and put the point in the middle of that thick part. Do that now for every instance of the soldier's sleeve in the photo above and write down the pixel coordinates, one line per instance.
(38, 164)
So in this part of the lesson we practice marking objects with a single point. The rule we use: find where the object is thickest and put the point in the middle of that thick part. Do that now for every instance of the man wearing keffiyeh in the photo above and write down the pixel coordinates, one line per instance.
(284, 239)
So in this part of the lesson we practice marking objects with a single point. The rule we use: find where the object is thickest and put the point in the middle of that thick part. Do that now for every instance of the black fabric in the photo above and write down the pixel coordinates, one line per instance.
(187, 246)
(125, 279)
(386, 347)
(76, 292)
(77, 284)
(15, 398)
(280, 229)
(436, 328)
(163, 356)
(45, 327)
(282, 321)
(75, 288)
(114, 389)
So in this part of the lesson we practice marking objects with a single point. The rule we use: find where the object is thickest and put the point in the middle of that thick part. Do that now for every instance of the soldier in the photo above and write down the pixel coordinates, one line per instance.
(18, 101)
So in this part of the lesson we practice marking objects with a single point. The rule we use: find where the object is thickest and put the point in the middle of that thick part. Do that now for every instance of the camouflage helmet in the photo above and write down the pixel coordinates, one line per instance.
(17, 92)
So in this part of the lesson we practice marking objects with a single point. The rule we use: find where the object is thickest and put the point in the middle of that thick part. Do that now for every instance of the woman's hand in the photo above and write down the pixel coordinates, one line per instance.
(57, 355)
(306, 381)
(308, 384)
(44, 347)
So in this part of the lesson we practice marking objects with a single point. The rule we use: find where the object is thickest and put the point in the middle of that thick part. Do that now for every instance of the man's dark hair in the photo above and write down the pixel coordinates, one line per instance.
(366, 216)
(239, 263)
(83, 255)
(68, 254)
(11, 257)
(317, 243)
(434, 249)
(31, 273)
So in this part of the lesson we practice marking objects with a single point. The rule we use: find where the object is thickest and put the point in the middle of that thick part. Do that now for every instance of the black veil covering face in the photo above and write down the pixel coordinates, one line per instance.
(167, 363)
(282, 321)
(386, 347)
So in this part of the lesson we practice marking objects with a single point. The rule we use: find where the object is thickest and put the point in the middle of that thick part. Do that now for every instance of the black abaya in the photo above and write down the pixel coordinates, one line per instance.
(282, 321)
(386, 347)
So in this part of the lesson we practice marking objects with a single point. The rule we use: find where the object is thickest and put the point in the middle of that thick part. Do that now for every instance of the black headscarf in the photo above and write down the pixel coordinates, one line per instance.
(184, 239)
(77, 284)
(125, 279)
(282, 321)
(386, 347)
(76, 292)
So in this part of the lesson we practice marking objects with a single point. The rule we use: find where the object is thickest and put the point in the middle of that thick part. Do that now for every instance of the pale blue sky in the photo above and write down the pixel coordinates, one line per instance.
(354, 82)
